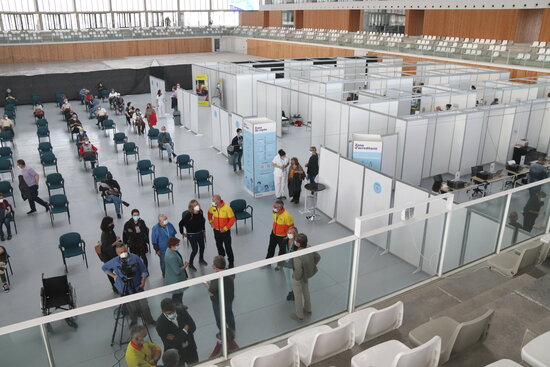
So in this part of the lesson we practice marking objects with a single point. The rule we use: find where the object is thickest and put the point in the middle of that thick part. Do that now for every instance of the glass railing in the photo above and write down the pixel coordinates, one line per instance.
(388, 253)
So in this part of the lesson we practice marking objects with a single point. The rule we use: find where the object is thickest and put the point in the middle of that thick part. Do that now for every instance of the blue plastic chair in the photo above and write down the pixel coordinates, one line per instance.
(6, 152)
(48, 159)
(6, 167)
(130, 148)
(44, 147)
(242, 211)
(183, 161)
(119, 138)
(55, 181)
(99, 174)
(71, 245)
(144, 168)
(203, 178)
(7, 190)
(162, 185)
(59, 204)
(41, 122)
(108, 125)
(153, 134)
(43, 132)
(6, 136)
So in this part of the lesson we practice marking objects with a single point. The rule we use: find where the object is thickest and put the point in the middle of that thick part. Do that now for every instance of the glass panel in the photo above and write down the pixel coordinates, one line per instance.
(56, 6)
(525, 219)
(227, 18)
(32, 354)
(261, 307)
(17, 6)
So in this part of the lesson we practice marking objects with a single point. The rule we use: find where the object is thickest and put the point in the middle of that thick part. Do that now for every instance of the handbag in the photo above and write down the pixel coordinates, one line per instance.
(97, 249)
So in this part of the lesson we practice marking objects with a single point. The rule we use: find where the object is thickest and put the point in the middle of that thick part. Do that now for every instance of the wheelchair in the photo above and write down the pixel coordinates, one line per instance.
(58, 294)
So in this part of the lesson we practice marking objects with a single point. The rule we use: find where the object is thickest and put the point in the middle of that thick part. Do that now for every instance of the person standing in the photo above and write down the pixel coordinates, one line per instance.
(165, 141)
(537, 172)
(282, 221)
(221, 219)
(237, 144)
(30, 180)
(141, 352)
(160, 234)
(175, 269)
(288, 267)
(192, 227)
(280, 171)
(174, 98)
(304, 268)
(136, 236)
(4, 269)
(6, 216)
(531, 210)
(295, 178)
(176, 328)
(312, 165)
(109, 241)
(160, 104)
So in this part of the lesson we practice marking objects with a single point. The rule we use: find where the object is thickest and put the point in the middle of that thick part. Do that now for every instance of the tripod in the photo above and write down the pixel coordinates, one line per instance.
(128, 285)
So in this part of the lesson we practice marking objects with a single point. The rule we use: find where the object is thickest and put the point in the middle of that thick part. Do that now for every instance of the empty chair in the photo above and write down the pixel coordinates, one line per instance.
(48, 159)
(268, 356)
(183, 161)
(7, 190)
(41, 122)
(130, 148)
(370, 323)
(44, 147)
(144, 168)
(108, 125)
(153, 134)
(203, 178)
(393, 353)
(119, 138)
(43, 132)
(6, 167)
(455, 336)
(99, 174)
(512, 262)
(504, 363)
(6, 136)
(71, 245)
(59, 204)
(162, 185)
(55, 181)
(242, 211)
(321, 342)
(535, 353)
(6, 152)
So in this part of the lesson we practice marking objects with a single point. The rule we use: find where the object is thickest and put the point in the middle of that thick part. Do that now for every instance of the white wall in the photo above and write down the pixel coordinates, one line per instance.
(350, 189)
(329, 163)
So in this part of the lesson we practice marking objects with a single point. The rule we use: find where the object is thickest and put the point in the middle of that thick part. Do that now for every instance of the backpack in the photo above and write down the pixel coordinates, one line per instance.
(230, 149)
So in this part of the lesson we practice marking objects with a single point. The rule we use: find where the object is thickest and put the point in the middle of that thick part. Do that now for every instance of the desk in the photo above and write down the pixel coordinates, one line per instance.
(491, 180)
(536, 353)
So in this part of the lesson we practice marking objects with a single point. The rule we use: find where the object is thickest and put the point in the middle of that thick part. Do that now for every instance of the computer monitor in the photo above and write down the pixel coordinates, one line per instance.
(476, 170)
(438, 178)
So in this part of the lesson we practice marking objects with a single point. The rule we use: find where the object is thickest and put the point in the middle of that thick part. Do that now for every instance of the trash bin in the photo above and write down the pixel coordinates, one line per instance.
(230, 157)
(177, 118)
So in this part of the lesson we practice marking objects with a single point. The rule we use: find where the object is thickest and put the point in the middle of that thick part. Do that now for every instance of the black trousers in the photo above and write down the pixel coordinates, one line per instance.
(529, 221)
(33, 197)
(223, 243)
(275, 241)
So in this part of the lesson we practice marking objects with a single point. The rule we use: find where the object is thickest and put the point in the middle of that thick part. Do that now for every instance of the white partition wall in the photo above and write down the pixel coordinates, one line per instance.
(243, 94)
(216, 128)
(389, 154)
(412, 141)
(186, 111)
(329, 164)
(225, 130)
(318, 131)
(194, 113)
(350, 190)
(377, 194)
(471, 144)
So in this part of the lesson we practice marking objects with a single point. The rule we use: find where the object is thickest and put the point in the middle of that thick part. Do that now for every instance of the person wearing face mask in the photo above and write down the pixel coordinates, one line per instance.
(110, 190)
(532, 209)
(160, 234)
(304, 267)
(129, 112)
(139, 122)
(175, 269)
(192, 227)
(282, 221)
(290, 246)
(102, 115)
(237, 144)
(176, 328)
(126, 286)
(109, 241)
(280, 172)
(221, 219)
(136, 236)
(312, 165)
(165, 141)
(88, 152)
(74, 124)
(141, 352)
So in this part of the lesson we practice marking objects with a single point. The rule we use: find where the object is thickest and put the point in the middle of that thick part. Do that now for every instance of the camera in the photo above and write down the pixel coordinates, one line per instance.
(126, 268)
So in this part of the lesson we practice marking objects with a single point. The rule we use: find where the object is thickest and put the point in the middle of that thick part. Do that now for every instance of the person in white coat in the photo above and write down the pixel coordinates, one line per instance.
(161, 111)
(280, 171)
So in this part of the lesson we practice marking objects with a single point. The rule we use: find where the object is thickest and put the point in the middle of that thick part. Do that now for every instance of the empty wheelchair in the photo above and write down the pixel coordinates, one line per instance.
(57, 294)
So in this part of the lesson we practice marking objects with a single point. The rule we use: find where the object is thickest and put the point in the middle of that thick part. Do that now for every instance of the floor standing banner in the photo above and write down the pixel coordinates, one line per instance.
(260, 146)
(367, 149)
(201, 88)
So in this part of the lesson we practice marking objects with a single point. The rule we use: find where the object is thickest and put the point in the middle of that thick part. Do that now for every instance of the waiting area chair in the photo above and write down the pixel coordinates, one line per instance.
(41, 122)
(45, 147)
(6, 152)
(153, 134)
(510, 263)
(321, 342)
(242, 211)
(48, 159)
(6, 167)
(536, 353)
(108, 125)
(6, 136)
(71, 245)
(455, 336)
(119, 138)
(504, 363)
(144, 168)
(130, 148)
(371, 323)
(161, 186)
(99, 174)
(55, 181)
(184, 161)
(268, 356)
(59, 204)
(393, 353)
(43, 132)
(7, 190)
(203, 178)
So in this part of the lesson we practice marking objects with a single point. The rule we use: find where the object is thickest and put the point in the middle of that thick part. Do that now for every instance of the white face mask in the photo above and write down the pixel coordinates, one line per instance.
(275, 210)
(197, 208)
(165, 222)
(290, 236)
(123, 255)
(310, 152)
(214, 204)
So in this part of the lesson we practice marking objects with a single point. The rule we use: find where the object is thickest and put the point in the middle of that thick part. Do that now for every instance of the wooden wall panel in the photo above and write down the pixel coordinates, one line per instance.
(298, 19)
(495, 24)
(327, 19)
(414, 22)
(275, 18)
(251, 18)
(101, 50)
(544, 34)
(528, 26)
(277, 50)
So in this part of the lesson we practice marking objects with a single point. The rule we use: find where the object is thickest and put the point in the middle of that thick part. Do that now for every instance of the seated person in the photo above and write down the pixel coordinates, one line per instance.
(119, 105)
(6, 215)
(82, 95)
(74, 124)
(88, 100)
(38, 110)
(165, 141)
(66, 105)
(141, 353)
(129, 113)
(6, 123)
(88, 152)
(176, 327)
(94, 106)
(4, 269)
(112, 96)
(101, 114)
(110, 190)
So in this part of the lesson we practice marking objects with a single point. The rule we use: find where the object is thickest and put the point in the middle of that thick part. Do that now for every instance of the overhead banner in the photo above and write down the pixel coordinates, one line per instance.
(201, 88)
(260, 146)
(367, 149)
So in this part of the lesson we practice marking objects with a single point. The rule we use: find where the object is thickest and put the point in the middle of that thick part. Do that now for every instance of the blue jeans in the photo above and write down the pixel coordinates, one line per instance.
(115, 200)
(311, 178)
(161, 260)
(5, 222)
(168, 148)
(237, 156)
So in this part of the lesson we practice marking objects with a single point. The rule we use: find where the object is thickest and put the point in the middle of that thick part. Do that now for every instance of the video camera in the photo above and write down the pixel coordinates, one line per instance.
(126, 268)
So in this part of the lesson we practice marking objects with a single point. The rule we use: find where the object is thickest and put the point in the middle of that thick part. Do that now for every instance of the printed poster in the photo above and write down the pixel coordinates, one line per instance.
(367, 149)
(201, 89)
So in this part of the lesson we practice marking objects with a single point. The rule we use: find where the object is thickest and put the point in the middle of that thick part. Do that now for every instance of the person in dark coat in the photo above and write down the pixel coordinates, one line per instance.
(295, 177)
(312, 165)
(136, 236)
(176, 328)
(109, 242)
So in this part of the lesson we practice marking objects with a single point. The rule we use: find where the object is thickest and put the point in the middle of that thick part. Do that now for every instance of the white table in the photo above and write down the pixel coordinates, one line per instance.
(536, 353)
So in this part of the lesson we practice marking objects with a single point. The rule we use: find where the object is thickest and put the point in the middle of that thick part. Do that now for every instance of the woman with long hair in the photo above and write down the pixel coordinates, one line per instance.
(109, 241)
(192, 226)
(295, 177)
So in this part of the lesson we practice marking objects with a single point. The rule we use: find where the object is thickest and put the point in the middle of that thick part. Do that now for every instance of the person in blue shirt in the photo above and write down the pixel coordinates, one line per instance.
(160, 234)
(113, 268)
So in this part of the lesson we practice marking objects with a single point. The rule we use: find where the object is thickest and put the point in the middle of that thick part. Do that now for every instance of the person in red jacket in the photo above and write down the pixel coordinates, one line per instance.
(222, 218)
(88, 152)
(152, 119)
